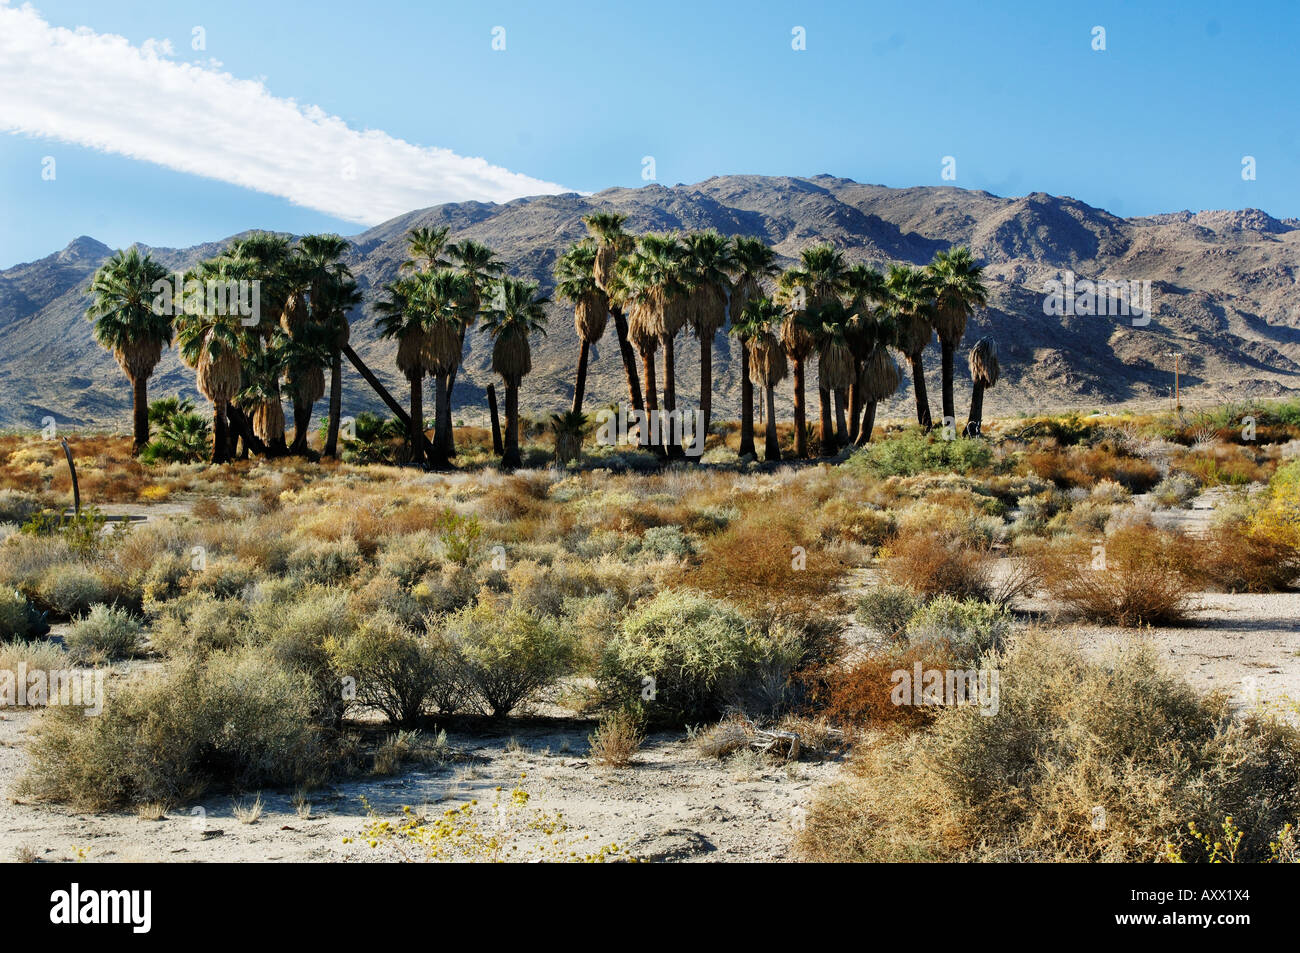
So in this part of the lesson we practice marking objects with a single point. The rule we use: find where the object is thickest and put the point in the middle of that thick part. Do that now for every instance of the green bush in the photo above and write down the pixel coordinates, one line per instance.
(19, 619)
(18, 506)
(105, 632)
(888, 609)
(687, 656)
(970, 627)
(394, 670)
(507, 654)
(72, 589)
(231, 721)
(199, 624)
(325, 563)
(913, 452)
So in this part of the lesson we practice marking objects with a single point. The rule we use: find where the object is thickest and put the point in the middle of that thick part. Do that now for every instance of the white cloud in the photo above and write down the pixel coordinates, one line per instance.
(97, 90)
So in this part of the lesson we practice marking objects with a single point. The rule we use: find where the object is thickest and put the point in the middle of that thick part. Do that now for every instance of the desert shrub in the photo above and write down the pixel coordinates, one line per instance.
(450, 588)
(660, 541)
(1139, 576)
(105, 632)
(844, 519)
(1231, 557)
(295, 629)
(933, 564)
(968, 627)
(728, 736)
(224, 577)
(1176, 491)
(618, 737)
(231, 720)
(701, 655)
(409, 558)
(325, 562)
(508, 653)
(71, 589)
(393, 668)
(1279, 518)
(1070, 736)
(862, 693)
(199, 624)
(36, 656)
(887, 609)
(914, 452)
(164, 579)
(18, 506)
(766, 566)
(19, 619)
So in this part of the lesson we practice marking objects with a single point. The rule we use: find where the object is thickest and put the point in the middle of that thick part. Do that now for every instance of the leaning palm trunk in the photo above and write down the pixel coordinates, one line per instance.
(629, 358)
(868, 424)
(746, 405)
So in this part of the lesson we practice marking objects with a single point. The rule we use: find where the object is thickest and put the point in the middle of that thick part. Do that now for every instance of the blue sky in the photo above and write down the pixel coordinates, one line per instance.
(1159, 121)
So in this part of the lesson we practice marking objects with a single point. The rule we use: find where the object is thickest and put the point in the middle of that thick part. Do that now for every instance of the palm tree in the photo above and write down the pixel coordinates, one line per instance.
(651, 282)
(707, 267)
(402, 321)
(751, 265)
(306, 352)
(447, 301)
(425, 245)
(983, 361)
(835, 370)
(478, 263)
(576, 282)
(612, 244)
(958, 292)
(332, 293)
(878, 378)
(911, 303)
(866, 293)
(127, 324)
(767, 363)
(269, 260)
(262, 395)
(515, 313)
(212, 344)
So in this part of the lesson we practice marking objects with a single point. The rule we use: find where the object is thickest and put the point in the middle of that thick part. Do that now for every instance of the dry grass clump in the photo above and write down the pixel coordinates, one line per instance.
(1232, 558)
(617, 738)
(105, 633)
(1139, 575)
(931, 563)
(1084, 761)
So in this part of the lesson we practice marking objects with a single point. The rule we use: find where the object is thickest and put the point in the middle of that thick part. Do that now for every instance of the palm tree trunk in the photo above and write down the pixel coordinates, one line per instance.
(629, 359)
(243, 425)
(746, 404)
(511, 460)
(444, 437)
(976, 422)
(220, 440)
(868, 424)
(416, 428)
(800, 414)
(580, 382)
(139, 413)
(670, 393)
(232, 434)
(855, 404)
(301, 421)
(946, 349)
(706, 387)
(772, 450)
(441, 419)
(918, 386)
(336, 405)
(841, 426)
(497, 446)
(651, 401)
(827, 424)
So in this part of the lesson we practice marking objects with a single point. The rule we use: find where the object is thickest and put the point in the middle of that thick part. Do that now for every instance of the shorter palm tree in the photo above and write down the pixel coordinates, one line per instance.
(767, 360)
(401, 321)
(127, 324)
(984, 370)
(576, 282)
(911, 305)
(958, 291)
(516, 312)
(211, 345)
(751, 265)
(878, 380)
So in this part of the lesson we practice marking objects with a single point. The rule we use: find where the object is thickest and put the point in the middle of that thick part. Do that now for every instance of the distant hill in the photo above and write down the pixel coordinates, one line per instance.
(1224, 296)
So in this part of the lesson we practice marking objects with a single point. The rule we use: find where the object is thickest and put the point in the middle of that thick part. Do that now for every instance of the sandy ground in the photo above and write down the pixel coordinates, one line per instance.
(671, 805)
